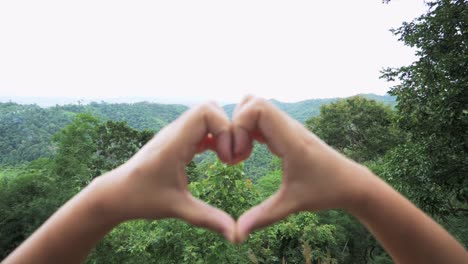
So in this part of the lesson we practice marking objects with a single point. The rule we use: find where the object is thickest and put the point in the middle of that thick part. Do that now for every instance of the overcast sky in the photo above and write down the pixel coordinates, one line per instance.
(197, 50)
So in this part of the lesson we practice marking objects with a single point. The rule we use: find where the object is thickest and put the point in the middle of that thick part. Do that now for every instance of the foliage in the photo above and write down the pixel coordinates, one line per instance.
(360, 128)
(141, 116)
(115, 143)
(26, 130)
(75, 148)
(27, 199)
(268, 184)
(259, 162)
(432, 103)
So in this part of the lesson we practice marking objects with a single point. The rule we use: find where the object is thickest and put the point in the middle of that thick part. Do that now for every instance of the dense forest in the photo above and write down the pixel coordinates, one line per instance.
(416, 139)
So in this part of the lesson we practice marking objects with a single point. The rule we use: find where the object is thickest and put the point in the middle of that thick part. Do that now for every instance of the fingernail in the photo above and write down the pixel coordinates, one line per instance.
(239, 238)
(230, 235)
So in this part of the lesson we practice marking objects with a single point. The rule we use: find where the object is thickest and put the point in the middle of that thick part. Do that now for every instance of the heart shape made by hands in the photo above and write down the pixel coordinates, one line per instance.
(311, 169)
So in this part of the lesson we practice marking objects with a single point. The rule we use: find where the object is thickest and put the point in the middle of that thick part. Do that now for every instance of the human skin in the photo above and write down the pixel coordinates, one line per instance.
(153, 185)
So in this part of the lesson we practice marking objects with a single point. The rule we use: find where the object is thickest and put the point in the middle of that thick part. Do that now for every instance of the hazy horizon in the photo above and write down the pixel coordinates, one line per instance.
(59, 100)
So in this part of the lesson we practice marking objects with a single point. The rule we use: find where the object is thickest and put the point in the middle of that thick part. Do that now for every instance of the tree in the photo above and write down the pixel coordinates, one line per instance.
(27, 199)
(432, 97)
(75, 148)
(115, 143)
(360, 128)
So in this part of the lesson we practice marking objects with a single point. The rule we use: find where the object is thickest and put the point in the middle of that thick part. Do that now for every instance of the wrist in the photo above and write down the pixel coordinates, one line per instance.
(363, 186)
(101, 194)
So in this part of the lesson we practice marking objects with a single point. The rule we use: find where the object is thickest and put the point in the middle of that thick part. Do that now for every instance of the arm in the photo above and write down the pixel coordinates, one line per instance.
(316, 177)
(404, 230)
(151, 185)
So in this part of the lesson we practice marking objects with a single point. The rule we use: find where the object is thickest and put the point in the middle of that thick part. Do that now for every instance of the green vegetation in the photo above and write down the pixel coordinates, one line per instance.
(418, 144)
(360, 128)
(26, 130)
(432, 106)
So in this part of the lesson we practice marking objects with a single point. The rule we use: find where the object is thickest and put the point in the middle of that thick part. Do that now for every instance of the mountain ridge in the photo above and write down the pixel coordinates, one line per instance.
(45, 102)
(26, 129)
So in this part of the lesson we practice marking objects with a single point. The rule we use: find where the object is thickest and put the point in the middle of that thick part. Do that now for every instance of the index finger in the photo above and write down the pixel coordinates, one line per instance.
(257, 115)
(192, 128)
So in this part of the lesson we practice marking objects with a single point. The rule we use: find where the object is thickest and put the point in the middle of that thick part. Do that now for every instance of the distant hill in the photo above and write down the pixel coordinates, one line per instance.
(386, 99)
(306, 109)
(26, 129)
(301, 111)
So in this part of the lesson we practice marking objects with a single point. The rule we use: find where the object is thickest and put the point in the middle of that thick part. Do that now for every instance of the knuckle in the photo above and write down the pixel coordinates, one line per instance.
(257, 105)
(259, 101)
(247, 98)
(212, 103)
(207, 107)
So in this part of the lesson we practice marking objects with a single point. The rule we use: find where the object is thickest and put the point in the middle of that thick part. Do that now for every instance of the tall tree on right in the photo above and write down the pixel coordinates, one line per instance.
(432, 97)
(360, 128)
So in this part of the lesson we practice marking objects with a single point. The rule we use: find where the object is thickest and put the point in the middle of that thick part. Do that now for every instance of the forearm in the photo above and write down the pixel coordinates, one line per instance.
(407, 234)
(69, 235)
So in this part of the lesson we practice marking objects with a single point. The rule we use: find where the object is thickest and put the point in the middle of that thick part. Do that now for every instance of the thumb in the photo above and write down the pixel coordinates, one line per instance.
(201, 214)
(270, 211)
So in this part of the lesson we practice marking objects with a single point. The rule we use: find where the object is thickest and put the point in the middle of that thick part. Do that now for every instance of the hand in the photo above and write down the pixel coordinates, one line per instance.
(316, 177)
(153, 183)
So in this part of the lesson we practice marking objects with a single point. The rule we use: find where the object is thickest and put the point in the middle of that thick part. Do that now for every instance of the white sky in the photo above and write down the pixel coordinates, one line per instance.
(222, 50)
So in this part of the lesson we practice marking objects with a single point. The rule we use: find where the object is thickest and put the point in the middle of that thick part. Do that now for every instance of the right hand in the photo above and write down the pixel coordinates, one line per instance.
(315, 176)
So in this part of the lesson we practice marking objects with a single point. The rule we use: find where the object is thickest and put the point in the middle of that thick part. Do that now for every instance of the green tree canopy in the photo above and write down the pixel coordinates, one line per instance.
(360, 128)
(432, 97)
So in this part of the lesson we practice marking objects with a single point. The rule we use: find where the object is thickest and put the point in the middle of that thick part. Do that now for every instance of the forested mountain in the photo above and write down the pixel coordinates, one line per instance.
(300, 110)
(303, 110)
(26, 130)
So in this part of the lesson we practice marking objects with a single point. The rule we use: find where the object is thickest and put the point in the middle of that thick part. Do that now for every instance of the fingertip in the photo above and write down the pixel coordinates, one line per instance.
(198, 213)
(242, 230)
(230, 233)
(228, 225)
(240, 236)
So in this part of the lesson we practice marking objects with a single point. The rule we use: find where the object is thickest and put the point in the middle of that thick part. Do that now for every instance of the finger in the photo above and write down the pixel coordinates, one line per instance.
(266, 122)
(268, 212)
(240, 105)
(193, 127)
(198, 213)
(242, 144)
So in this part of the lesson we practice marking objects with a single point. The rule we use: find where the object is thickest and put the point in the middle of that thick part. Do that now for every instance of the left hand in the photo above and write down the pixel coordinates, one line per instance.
(153, 183)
